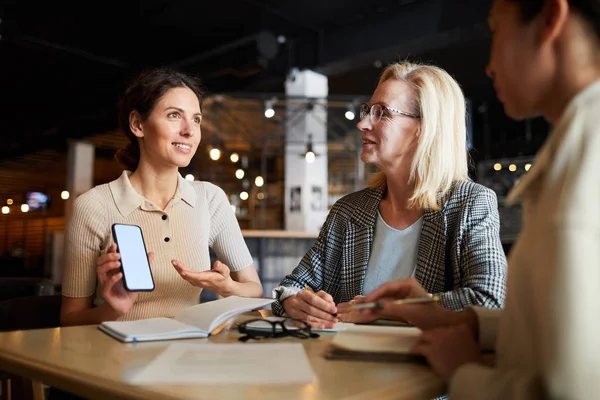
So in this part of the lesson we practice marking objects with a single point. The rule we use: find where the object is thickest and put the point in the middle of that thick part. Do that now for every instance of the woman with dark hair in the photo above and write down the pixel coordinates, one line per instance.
(545, 60)
(160, 113)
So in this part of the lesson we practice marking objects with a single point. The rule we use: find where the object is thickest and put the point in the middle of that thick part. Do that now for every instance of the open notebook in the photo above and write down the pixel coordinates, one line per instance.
(375, 343)
(192, 322)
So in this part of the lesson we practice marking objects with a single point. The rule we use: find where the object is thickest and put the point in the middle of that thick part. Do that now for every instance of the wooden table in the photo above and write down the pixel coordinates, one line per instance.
(91, 364)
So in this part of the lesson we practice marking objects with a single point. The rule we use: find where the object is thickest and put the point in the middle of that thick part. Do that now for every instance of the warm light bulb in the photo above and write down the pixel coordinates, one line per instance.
(9, 201)
(497, 166)
(189, 177)
(215, 154)
(527, 166)
(269, 113)
(259, 181)
(234, 157)
(64, 194)
(24, 207)
(244, 195)
(310, 157)
(5, 210)
(239, 173)
(260, 196)
(349, 115)
(512, 167)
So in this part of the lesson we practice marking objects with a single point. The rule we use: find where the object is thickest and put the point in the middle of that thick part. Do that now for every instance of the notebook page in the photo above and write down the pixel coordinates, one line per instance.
(208, 316)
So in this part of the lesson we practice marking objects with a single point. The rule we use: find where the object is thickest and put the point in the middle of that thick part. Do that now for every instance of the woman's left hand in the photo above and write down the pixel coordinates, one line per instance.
(218, 279)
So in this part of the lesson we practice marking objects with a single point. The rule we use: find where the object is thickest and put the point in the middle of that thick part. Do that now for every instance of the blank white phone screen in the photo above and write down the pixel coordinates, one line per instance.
(133, 257)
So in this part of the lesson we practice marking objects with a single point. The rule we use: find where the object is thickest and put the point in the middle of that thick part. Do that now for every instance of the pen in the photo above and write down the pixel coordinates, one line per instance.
(414, 300)
(309, 290)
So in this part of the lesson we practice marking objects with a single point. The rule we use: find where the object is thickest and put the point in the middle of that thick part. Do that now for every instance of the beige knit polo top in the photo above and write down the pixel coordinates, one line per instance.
(198, 217)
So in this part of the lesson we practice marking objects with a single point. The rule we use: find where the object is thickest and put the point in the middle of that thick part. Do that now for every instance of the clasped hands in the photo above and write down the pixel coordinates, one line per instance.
(448, 340)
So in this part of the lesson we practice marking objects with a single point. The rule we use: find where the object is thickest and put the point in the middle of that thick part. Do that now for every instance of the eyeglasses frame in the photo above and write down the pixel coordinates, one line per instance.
(369, 108)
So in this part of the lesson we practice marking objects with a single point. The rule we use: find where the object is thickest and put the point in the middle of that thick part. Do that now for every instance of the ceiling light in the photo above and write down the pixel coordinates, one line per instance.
(234, 157)
(244, 195)
(214, 154)
(309, 155)
(64, 194)
(5, 210)
(269, 111)
(239, 173)
(350, 113)
(24, 207)
(259, 181)
(189, 177)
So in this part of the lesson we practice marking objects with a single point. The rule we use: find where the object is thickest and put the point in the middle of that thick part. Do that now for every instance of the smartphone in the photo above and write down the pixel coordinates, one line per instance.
(137, 276)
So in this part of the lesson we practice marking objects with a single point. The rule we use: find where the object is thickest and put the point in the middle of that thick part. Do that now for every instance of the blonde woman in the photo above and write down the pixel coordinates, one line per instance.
(420, 218)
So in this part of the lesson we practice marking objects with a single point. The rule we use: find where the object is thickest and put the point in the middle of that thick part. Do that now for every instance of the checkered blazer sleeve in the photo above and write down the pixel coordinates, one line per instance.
(319, 268)
(479, 263)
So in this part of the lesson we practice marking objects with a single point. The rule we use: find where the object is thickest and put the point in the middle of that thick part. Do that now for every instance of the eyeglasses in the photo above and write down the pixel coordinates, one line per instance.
(376, 111)
(265, 328)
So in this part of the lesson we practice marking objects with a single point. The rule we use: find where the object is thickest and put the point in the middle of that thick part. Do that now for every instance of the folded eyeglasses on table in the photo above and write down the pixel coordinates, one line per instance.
(264, 328)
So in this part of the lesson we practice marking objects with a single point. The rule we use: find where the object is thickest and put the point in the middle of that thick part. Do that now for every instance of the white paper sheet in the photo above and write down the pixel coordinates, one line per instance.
(258, 363)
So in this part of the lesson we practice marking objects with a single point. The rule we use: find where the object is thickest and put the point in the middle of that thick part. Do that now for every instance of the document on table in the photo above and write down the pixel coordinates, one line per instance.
(211, 363)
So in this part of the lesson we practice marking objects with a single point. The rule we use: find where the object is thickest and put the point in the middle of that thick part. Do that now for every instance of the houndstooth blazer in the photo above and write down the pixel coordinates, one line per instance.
(461, 242)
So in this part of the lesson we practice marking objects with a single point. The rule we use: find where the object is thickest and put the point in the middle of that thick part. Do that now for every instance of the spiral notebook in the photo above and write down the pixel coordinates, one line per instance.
(192, 322)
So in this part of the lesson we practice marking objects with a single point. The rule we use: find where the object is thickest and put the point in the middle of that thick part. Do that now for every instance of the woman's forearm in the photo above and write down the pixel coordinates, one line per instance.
(244, 289)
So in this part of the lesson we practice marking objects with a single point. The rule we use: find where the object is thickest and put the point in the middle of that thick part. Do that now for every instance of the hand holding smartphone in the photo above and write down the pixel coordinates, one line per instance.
(135, 265)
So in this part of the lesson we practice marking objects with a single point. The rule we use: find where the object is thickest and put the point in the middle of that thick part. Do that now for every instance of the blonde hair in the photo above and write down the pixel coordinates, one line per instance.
(441, 155)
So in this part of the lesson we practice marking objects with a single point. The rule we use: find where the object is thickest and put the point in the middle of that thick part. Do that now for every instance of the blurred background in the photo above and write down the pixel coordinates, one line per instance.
(284, 78)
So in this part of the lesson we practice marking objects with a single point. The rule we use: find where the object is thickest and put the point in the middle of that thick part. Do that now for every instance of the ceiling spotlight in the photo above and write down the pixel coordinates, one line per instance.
(214, 154)
(497, 167)
(64, 194)
(527, 166)
(244, 195)
(350, 113)
(239, 173)
(24, 207)
(234, 157)
(189, 177)
(5, 210)
(269, 111)
(309, 155)
(512, 167)
(9, 201)
(260, 196)
(259, 181)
